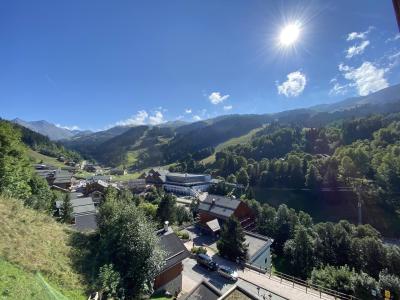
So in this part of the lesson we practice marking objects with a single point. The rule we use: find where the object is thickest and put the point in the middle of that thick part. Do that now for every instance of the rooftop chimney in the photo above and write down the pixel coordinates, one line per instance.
(166, 226)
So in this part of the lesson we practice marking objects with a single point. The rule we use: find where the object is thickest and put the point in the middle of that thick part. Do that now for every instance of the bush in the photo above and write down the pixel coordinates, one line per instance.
(199, 250)
(183, 235)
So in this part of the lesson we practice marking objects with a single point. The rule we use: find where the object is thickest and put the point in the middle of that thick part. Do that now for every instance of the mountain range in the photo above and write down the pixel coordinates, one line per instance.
(142, 146)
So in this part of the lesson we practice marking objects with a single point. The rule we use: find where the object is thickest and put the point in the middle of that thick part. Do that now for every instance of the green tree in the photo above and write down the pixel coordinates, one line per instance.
(183, 215)
(242, 177)
(109, 281)
(166, 210)
(129, 242)
(149, 209)
(15, 171)
(390, 282)
(232, 240)
(42, 197)
(231, 179)
(300, 251)
(313, 178)
(66, 210)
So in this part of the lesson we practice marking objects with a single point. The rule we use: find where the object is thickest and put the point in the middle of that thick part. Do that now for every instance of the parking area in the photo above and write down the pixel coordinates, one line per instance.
(193, 274)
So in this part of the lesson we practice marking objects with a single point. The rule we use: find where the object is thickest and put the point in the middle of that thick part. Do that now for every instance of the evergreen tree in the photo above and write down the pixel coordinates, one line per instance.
(232, 241)
(167, 209)
(313, 178)
(300, 251)
(66, 210)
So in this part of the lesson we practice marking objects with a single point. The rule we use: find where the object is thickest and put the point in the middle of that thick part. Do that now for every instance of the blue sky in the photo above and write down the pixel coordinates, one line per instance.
(94, 64)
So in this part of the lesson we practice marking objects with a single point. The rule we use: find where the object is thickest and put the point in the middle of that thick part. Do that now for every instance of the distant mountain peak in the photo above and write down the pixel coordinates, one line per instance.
(48, 129)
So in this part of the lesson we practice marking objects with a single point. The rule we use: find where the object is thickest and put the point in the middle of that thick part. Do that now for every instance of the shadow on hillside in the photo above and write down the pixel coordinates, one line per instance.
(85, 255)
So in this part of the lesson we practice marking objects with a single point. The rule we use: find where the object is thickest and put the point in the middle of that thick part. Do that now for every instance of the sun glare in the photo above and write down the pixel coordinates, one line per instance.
(289, 34)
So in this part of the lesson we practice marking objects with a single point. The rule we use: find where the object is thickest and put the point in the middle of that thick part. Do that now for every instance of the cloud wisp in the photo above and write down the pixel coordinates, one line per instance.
(357, 49)
(142, 117)
(216, 98)
(294, 85)
(73, 127)
(359, 35)
(228, 107)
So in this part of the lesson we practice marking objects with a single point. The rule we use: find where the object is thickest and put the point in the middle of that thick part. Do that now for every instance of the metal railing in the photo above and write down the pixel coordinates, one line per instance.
(311, 288)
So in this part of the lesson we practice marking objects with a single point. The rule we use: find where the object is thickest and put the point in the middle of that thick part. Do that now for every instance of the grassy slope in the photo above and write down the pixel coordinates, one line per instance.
(234, 141)
(37, 157)
(32, 242)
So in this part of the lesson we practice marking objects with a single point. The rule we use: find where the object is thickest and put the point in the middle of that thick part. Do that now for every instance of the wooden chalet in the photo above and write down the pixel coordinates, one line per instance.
(214, 210)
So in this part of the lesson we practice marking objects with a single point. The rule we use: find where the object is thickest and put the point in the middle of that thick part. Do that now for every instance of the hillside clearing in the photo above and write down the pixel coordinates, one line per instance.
(232, 142)
(34, 242)
(37, 157)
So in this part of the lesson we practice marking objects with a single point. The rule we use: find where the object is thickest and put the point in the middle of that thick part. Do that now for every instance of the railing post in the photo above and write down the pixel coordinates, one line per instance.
(293, 280)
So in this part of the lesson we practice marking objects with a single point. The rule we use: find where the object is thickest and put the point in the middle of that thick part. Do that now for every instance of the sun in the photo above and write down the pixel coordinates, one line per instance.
(290, 34)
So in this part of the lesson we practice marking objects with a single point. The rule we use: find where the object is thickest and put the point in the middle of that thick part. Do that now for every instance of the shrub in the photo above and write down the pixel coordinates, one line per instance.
(199, 250)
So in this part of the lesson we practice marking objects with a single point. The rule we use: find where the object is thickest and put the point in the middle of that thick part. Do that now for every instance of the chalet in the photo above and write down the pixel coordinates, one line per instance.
(136, 185)
(96, 185)
(61, 178)
(92, 168)
(214, 210)
(155, 176)
(170, 277)
(117, 171)
(84, 213)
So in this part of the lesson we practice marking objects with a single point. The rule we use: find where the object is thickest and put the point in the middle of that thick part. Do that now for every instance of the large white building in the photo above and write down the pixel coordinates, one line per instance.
(186, 184)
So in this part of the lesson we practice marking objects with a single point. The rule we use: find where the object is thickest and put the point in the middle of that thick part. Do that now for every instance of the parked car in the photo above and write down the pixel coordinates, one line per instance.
(206, 261)
(227, 272)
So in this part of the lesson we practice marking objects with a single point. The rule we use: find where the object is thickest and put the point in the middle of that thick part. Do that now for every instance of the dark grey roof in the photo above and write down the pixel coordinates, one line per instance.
(76, 201)
(86, 222)
(203, 291)
(176, 250)
(84, 209)
(219, 206)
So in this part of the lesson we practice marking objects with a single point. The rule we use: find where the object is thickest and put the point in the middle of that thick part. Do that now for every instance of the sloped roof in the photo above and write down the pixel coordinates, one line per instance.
(86, 222)
(214, 225)
(176, 250)
(203, 291)
(219, 206)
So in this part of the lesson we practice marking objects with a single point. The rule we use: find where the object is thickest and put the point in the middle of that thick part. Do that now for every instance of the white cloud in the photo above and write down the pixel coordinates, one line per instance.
(228, 107)
(142, 117)
(196, 118)
(367, 78)
(216, 97)
(395, 38)
(157, 118)
(73, 127)
(359, 35)
(357, 49)
(188, 111)
(339, 89)
(138, 119)
(294, 85)
(343, 68)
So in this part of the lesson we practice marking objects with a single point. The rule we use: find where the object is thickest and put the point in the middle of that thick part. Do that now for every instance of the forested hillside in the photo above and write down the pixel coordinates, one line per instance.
(139, 147)
(42, 144)
(359, 155)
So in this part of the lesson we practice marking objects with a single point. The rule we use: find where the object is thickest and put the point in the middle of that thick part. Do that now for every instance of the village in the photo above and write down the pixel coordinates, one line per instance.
(193, 268)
